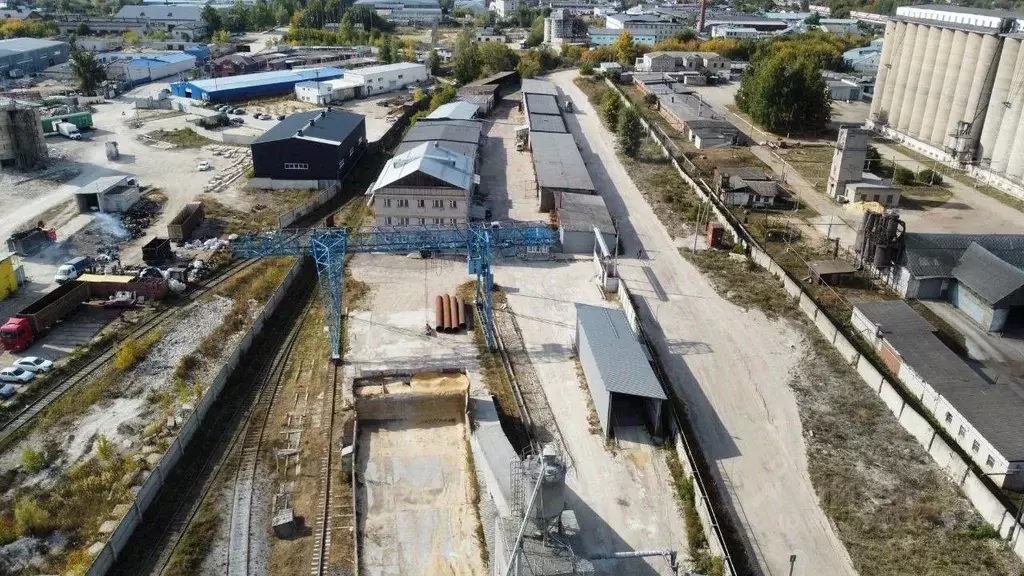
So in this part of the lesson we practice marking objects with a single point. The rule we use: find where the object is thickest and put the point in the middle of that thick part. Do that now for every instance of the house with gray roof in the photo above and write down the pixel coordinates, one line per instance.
(745, 186)
(980, 413)
(982, 275)
(625, 390)
(428, 185)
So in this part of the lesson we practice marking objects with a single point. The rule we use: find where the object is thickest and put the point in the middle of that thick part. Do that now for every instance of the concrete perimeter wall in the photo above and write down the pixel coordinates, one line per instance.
(412, 406)
(957, 469)
(155, 480)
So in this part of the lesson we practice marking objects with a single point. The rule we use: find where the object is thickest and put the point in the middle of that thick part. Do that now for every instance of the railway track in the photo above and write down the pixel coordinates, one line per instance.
(251, 443)
(241, 408)
(59, 388)
(332, 511)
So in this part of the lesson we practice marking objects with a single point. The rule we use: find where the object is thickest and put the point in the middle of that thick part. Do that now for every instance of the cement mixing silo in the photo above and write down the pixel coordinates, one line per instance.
(544, 481)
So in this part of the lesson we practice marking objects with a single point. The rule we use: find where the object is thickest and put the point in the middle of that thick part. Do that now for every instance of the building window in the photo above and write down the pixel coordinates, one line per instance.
(388, 220)
(296, 166)
(387, 202)
(949, 417)
(453, 221)
(351, 151)
(399, 76)
(438, 221)
(421, 203)
(453, 203)
(439, 204)
(990, 462)
(423, 221)
(962, 432)
(403, 221)
(403, 203)
(975, 446)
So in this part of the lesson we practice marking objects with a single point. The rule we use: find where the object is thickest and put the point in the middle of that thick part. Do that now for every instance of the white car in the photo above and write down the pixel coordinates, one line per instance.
(16, 375)
(34, 364)
(204, 166)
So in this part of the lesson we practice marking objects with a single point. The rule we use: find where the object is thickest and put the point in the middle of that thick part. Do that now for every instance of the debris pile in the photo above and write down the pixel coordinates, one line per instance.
(140, 216)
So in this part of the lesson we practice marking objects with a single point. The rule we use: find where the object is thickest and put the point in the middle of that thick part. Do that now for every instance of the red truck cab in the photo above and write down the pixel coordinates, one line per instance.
(16, 334)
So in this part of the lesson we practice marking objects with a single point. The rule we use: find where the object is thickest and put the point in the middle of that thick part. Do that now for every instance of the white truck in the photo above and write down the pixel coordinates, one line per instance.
(68, 130)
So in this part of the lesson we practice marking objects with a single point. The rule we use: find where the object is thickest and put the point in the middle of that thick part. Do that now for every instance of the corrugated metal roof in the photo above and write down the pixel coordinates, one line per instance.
(935, 255)
(547, 123)
(332, 125)
(464, 148)
(533, 86)
(454, 111)
(25, 44)
(987, 275)
(542, 104)
(992, 408)
(558, 163)
(621, 361)
(102, 184)
(432, 159)
(261, 78)
(450, 130)
(162, 12)
(582, 212)
(398, 66)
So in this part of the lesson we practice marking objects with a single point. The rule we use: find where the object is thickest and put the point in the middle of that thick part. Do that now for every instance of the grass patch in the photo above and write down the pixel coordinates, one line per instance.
(593, 421)
(703, 560)
(474, 499)
(744, 283)
(181, 137)
(195, 543)
(812, 162)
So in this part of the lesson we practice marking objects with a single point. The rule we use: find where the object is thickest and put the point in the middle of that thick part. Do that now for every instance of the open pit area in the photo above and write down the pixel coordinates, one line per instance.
(416, 496)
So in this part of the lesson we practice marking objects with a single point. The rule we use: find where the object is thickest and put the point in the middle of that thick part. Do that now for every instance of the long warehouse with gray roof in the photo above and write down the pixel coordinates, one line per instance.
(559, 167)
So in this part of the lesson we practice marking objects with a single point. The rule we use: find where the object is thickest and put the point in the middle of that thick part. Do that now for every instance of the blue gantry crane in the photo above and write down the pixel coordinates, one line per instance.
(330, 246)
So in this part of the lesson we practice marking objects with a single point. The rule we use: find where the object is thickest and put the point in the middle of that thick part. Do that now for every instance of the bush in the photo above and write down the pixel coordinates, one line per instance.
(33, 460)
(586, 69)
(903, 176)
(104, 448)
(7, 532)
(929, 176)
(738, 249)
(29, 517)
(982, 531)
(611, 106)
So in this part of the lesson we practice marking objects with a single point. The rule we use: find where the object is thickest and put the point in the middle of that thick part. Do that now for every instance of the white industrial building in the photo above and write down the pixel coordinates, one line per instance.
(405, 12)
(949, 86)
(504, 8)
(388, 77)
(329, 91)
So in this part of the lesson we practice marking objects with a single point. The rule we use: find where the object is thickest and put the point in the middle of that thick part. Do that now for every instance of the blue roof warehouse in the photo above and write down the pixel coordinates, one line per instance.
(251, 85)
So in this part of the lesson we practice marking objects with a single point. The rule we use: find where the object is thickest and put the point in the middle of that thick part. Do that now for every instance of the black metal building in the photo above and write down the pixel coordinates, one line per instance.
(318, 145)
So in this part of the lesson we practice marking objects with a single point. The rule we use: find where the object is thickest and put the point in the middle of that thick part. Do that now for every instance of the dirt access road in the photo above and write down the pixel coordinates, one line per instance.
(731, 367)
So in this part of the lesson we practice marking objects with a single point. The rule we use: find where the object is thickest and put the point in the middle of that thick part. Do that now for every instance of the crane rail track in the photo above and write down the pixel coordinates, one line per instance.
(59, 388)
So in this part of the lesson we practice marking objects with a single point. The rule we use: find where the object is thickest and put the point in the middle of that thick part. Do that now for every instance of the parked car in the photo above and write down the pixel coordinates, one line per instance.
(7, 391)
(237, 121)
(256, 115)
(238, 111)
(281, 117)
(204, 166)
(34, 364)
(15, 375)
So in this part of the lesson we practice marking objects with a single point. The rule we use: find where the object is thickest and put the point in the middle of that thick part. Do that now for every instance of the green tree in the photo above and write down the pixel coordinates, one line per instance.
(314, 15)
(785, 93)
(387, 49)
(130, 38)
(611, 106)
(467, 65)
(536, 35)
(212, 19)
(630, 132)
(434, 61)
(30, 517)
(222, 37)
(930, 177)
(626, 51)
(82, 29)
(586, 69)
(262, 16)
(529, 64)
(813, 20)
(903, 176)
(88, 71)
(651, 100)
(346, 29)
(239, 17)
(496, 57)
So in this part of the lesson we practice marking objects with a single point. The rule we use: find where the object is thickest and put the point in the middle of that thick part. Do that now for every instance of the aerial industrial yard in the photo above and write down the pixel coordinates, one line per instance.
(313, 308)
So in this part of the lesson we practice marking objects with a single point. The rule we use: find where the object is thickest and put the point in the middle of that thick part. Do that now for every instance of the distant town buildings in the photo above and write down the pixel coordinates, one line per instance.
(504, 8)
(20, 56)
(406, 11)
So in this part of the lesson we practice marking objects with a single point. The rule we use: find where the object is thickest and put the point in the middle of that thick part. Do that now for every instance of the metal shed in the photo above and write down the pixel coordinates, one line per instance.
(578, 215)
(108, 194)
(559, 167)
(622, 383)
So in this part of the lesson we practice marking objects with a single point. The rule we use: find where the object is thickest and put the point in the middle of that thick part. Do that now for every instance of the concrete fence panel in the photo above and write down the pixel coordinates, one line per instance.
(148, 490)
(807, 305)
(188, 429)
(103, 562)
(1018, 541)
(826, 327)
(119, 538)
(913, 383)
(170, 458)
(990, 508)
(917, 426)
(846, 349)
(792, 288)
(891, 398)
(948, 459)
(871, 376)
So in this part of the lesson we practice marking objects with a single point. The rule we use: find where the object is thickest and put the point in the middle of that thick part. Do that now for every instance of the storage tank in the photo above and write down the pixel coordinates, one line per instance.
(547, 469)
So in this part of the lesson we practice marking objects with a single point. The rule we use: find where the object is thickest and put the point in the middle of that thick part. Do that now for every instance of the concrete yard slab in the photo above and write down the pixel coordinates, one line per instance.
(622, 495)
(507, 175)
